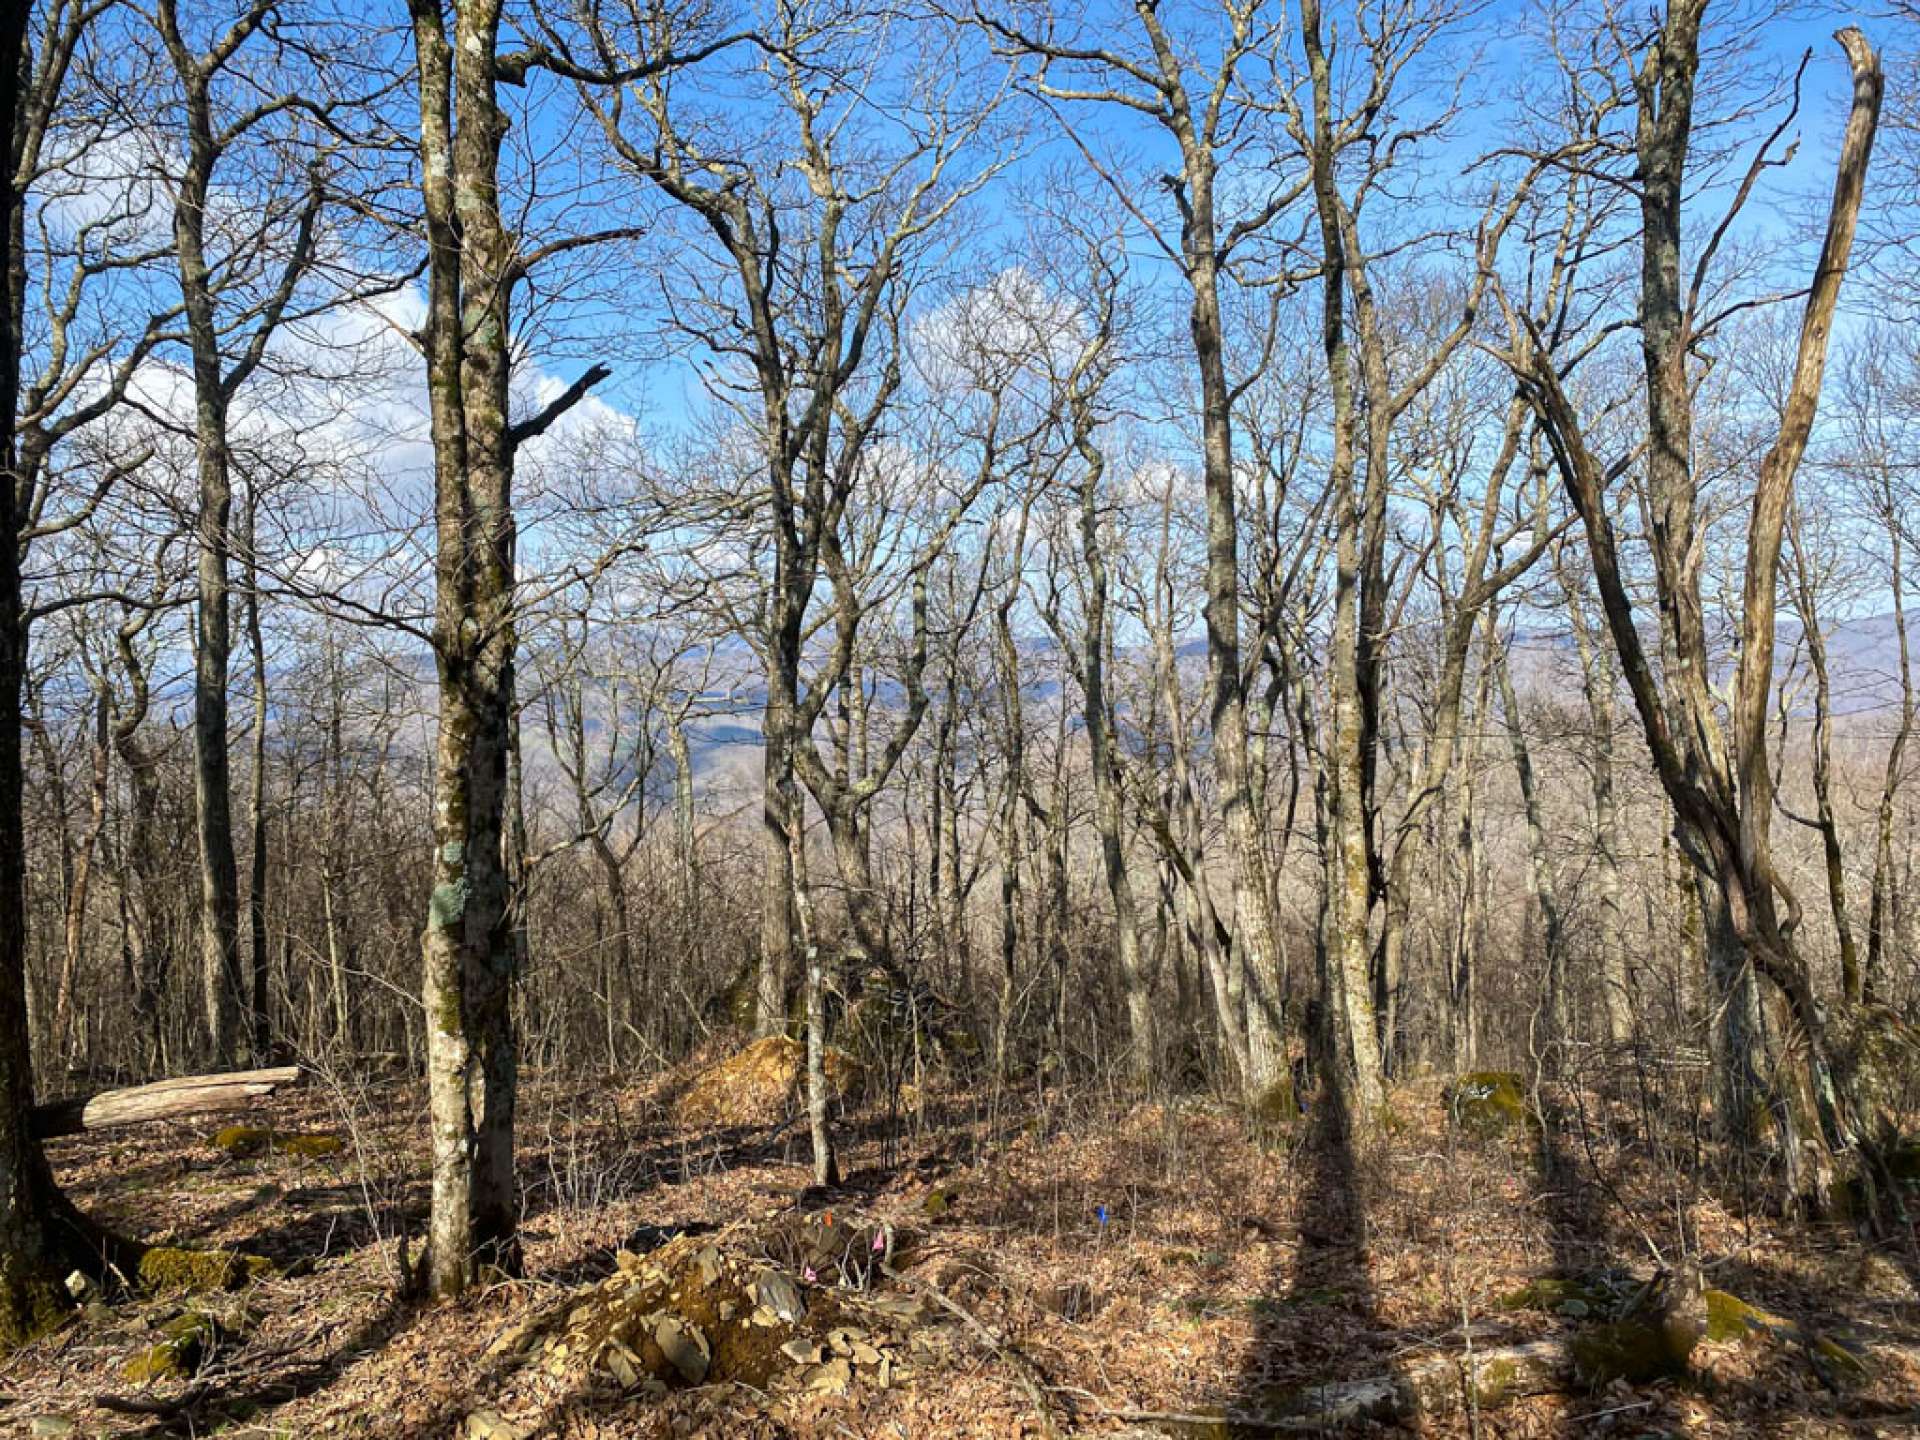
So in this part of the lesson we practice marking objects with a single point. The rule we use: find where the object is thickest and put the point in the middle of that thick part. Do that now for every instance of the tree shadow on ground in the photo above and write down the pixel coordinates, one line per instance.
(1315, 1321)
(1601, 1222)
(239, 1391)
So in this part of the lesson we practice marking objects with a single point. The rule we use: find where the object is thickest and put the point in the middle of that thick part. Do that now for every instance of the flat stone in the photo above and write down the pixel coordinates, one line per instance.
(49, 1427)
(833, 1378)
(709, 1262)
(685, 1347)
(803, 1352)
(779, 1294)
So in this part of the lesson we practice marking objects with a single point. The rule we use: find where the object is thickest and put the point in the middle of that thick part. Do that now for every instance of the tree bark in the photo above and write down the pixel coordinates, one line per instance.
(80, 884)
(1881, 905)
(260, 1001)
(1617, 999)
(1539, 868)
(469, 949)
(34, 1240)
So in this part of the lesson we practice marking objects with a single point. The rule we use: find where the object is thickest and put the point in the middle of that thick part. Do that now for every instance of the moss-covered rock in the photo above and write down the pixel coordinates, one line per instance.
(1575, 1299)
(186, 1341)
(1837, 1361)
(171, 1269)
(1490, 1103)
(32, 1300)
(1632, 1350)
(308, 1147)
(1495, 1383)
(247, 1140)
(1731, 1318)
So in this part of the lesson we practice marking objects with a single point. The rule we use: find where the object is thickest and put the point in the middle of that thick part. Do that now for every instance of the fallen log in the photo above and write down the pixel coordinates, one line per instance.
(162, 1100)
(1425, 1387)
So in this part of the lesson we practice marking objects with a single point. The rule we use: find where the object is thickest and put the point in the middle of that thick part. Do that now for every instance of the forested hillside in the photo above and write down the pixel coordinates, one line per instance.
(1181, 718)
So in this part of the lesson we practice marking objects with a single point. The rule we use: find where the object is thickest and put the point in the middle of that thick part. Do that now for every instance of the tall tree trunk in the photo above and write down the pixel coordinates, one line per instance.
(1254, 948)
(260, 997)
(1721, 792)
(1597, 683)
(1881, 906)
(220, 979)
(683, 836)
(470, 950)
(778, 886)
(80, 884)
(1539, 866)
(816, 980)
(1134, 978)
(1013, 857)
(1464, 970)
(1806, 602)
(33, 1239)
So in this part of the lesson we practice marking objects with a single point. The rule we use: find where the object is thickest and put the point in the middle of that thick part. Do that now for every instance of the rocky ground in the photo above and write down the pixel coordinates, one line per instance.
(993, 1267)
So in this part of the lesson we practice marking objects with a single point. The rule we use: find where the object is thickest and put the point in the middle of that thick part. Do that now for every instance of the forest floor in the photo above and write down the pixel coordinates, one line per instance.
(1122, 1265)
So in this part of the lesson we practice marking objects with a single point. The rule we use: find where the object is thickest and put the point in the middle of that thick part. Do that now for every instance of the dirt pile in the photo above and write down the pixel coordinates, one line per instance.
(761, 1084)
(726, 1307)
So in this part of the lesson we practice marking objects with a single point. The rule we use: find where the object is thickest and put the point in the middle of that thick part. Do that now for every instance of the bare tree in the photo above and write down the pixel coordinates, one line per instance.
(1722, 792)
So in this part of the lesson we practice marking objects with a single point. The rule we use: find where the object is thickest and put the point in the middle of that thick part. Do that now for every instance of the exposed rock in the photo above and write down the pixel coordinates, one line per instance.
(824, 1249)
(707, 1311)
(1427, 1386)
(1632, 1350)
(833, 1378)
(186, 1341)
(1837, 1362)
(685, 1348)
(51, 1427)
(1490, 1103)
(1656, 1340)
(1731, 1318)
(776, 1290)
(244, 1141)
(170, 1269)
